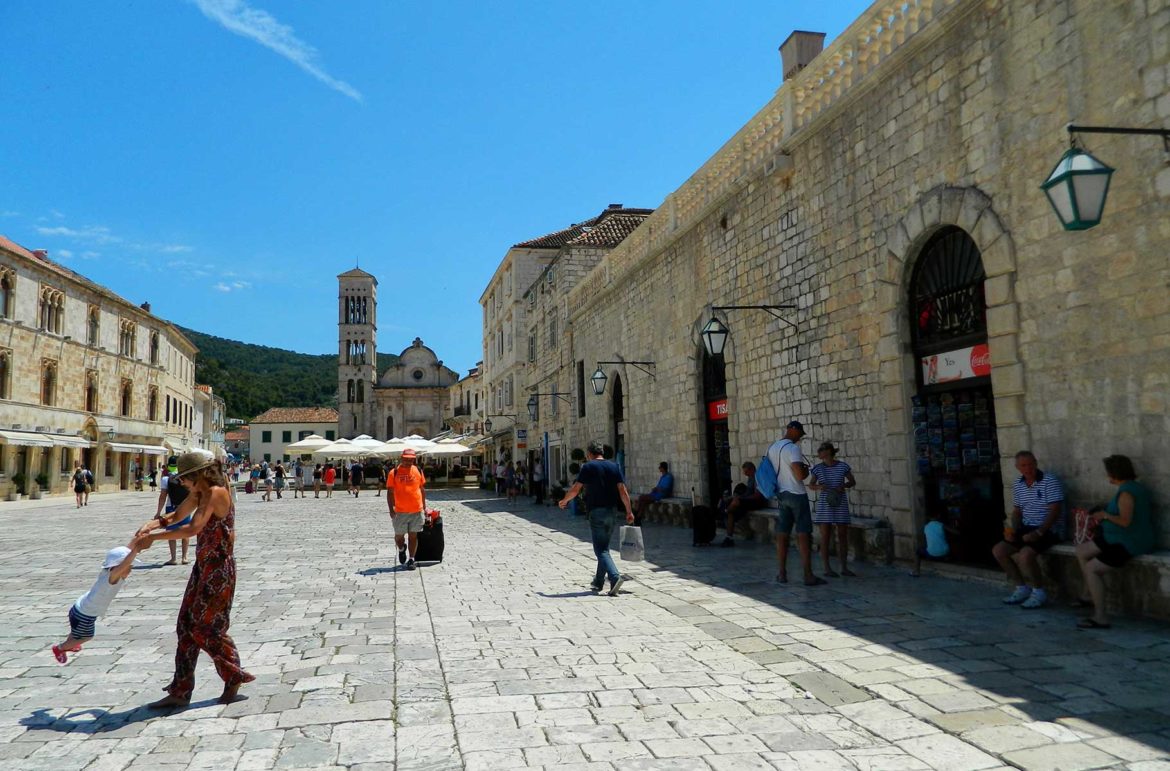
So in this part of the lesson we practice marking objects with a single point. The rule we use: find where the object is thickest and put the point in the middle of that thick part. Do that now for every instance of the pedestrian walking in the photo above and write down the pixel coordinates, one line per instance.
(329, 476)
(381, 478)
(604, 490)
(278, 478)
(538, 482)
(205, 615)
(406, 497)
(171, 496)
(791, 471)
(94, 603)
(88, 484)
(306, 479)
(78, 483)
(356, 474)
(317, 481)
(830, 479)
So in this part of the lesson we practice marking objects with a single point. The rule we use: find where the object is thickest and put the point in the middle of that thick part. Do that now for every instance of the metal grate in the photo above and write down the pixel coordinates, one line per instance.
(947, 291)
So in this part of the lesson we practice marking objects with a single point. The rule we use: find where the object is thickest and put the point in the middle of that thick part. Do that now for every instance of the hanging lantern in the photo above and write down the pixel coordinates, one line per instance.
(1077, 188)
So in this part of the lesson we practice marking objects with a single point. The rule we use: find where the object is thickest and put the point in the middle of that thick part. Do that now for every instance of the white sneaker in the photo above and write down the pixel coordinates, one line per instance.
(1037, 600)
(1019, 595)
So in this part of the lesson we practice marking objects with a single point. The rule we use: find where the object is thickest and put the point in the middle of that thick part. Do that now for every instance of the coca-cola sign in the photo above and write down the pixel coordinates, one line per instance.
(956, 365)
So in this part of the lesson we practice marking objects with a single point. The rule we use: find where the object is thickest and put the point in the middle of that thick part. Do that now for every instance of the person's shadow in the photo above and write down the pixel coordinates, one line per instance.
(102, 720)
(566, 595)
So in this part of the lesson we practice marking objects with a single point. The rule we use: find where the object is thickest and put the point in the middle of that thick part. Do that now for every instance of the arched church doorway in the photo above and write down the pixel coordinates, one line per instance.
(953, 414)
(718, 454)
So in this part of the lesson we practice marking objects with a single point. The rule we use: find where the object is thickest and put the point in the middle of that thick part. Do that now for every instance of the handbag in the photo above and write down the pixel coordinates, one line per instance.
(632, 549)
(1086, 526)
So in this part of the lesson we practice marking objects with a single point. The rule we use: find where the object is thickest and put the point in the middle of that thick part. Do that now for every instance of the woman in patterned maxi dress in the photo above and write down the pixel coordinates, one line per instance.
(831, 478)
(205, 614)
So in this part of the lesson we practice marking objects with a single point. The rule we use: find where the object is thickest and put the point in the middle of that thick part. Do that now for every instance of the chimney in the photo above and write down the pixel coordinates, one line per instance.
(614, 206)
(798, 51)
(145, 306)
(41, 254)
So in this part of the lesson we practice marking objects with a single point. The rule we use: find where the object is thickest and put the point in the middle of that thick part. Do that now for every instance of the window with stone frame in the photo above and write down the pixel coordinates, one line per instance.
(552, 334)
(5, 374)
(152, 404)
(154, 348)
(532, 346)
(93, 327)
(580, 388)
(48, 382)
(126, 398)
(109, 463)
(91, 390)
(127, 337)
(7, 292)
(51, 310)
(65, 457)
(266, 437)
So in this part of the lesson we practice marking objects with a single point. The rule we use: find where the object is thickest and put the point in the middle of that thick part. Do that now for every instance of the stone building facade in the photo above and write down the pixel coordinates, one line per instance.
(278, 427)
(464, 414)
(411, 396)
(889, 192)
(85, 376)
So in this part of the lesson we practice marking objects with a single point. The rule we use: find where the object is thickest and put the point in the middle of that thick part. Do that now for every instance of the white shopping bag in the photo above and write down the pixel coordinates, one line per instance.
(632, 548)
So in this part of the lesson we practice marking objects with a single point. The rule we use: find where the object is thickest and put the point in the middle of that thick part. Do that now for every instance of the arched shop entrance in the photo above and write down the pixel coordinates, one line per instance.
(956, 455)
(715, 412)
(619, 422)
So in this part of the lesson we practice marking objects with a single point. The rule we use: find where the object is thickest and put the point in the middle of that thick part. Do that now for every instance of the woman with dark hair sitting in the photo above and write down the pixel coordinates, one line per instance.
(1125, 529)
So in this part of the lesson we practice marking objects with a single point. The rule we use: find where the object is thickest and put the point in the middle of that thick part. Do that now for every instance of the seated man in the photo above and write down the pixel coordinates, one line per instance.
(1037, 505)
(664, 489)
(745, 498)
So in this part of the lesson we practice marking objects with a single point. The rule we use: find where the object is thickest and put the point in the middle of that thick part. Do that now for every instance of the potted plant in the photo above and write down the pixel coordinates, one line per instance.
(17, 486)
(577, 454)
(42, 484)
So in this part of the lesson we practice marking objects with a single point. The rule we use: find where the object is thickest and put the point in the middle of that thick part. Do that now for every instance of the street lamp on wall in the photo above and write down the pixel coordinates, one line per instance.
(487, 423)
(599, 379)
(715, 332)
(534, 403)
(1079, 183)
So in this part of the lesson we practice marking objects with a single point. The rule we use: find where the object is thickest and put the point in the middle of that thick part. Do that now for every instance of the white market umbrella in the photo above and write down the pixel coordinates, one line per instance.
(447, 451)
(368, 443)
(418, 443)
(342, 448)
(309, 444)
(393, 448)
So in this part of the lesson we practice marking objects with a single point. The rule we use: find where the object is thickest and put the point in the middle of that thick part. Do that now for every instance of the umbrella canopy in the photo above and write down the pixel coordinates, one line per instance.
(342, 448)
(367, 442)
(446, 451)
(309, 444)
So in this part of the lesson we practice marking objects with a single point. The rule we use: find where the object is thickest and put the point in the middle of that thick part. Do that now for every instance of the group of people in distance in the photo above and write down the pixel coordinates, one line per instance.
(275, 478)
(205, 509)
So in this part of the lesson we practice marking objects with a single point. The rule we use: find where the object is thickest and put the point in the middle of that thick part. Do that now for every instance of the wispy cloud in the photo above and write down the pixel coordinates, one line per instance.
(238, 17)
(9, 214)
(100, 235)
(234, 286)
(64, 253)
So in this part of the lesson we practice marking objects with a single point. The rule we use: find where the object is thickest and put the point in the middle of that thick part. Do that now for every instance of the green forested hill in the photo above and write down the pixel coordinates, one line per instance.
(252, 378)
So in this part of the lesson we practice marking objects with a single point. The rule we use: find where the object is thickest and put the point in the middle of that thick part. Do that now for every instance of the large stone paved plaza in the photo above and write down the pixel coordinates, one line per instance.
(500, 657)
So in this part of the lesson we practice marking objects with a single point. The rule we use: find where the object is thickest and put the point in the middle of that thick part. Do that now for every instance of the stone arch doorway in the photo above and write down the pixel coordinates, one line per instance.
(949, 356)
(713, 394)
(389, 427)
(618, 413)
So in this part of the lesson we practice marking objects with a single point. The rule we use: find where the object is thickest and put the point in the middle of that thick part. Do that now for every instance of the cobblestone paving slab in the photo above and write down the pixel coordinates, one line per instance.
(501, 658)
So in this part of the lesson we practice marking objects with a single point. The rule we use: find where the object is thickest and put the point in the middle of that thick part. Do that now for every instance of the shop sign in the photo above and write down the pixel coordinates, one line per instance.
(522, 433)
(717, 410)
(956, 365)
(521, 445)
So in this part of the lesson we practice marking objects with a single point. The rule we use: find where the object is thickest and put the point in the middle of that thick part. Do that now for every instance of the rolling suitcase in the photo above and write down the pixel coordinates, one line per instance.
(702, 523)
(430, 541)
(248, 487)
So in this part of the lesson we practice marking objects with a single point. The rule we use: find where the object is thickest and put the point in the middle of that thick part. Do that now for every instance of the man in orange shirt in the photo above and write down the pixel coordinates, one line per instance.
(406, 495)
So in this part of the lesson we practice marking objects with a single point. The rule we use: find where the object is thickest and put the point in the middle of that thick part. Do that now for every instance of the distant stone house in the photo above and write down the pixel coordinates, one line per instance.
(270, 432)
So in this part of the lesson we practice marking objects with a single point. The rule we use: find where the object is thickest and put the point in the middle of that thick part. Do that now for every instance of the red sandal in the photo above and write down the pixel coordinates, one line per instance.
(59, 654)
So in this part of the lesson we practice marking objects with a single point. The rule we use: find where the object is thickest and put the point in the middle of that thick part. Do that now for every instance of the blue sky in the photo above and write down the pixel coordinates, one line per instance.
(226, 159)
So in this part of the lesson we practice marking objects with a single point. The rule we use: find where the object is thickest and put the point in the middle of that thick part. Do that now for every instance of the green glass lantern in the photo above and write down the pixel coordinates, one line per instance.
(1076, 188)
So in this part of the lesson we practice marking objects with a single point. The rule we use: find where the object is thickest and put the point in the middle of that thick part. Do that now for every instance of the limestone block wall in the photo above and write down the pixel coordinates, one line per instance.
(957, 123)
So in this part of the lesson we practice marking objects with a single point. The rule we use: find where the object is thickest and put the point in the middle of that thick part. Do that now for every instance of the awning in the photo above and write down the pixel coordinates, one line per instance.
(68, 440)
(26, 439)
(146, 449)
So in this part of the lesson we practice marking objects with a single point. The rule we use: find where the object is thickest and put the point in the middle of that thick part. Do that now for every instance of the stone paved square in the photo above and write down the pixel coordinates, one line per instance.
(501, 658)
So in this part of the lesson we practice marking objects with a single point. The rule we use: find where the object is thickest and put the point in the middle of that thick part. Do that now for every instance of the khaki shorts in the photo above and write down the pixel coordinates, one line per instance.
(408, 523)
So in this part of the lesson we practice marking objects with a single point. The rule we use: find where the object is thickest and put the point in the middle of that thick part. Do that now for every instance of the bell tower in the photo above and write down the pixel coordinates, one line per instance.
(357, 371)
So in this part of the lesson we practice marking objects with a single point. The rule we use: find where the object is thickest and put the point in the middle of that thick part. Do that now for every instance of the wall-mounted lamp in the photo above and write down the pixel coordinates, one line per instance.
(1079, 184)
(534, 403)
(715, 332)
(598, 378)
(487, 423)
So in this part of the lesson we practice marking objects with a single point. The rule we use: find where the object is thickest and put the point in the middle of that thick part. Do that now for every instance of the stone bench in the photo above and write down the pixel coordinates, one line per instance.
(1141, 588)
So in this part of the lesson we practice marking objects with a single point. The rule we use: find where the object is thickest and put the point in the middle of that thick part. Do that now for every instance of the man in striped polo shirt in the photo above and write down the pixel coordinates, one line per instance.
(1037, 508)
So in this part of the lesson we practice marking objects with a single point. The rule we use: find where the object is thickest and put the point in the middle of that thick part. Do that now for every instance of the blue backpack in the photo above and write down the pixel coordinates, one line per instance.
(766, 477)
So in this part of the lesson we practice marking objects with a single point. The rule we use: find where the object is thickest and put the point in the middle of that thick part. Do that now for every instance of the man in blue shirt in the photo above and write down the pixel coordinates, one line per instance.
(604, 489)
(1037, 509)
(664, 489)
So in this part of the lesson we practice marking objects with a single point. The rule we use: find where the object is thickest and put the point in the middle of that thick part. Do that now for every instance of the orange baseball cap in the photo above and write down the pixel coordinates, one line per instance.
(409, 453)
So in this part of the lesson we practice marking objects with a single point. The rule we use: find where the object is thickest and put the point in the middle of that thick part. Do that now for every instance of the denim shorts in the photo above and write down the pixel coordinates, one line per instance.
(794, 510)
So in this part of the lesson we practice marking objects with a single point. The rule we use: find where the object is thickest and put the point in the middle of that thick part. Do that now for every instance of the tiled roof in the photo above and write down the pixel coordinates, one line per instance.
(555, 240)
(612, 227)
(236, 436)
(12, 246)
(297, 415)
(355, 273)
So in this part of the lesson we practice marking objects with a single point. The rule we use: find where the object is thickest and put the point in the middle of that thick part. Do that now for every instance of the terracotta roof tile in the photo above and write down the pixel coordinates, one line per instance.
(555, 240)
(297, 415)
(612, 227)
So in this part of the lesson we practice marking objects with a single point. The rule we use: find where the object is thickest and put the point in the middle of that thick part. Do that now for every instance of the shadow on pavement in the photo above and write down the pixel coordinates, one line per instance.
(993, 655)
(103, 721)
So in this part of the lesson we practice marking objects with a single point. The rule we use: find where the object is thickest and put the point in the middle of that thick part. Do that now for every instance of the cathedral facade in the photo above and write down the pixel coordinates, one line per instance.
(408, 398)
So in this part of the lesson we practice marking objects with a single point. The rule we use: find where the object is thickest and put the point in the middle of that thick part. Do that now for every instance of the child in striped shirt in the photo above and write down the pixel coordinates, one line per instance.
(82, 615)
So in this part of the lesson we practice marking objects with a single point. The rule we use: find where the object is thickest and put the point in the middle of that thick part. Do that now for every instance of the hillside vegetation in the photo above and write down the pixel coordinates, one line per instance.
(252, 378)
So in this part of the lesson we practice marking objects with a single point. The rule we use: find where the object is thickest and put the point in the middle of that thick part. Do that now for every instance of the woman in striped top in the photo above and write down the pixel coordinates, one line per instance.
(831, 478)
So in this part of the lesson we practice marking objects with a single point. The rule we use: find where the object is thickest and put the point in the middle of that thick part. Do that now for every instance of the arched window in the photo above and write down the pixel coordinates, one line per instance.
(389, 427)
(168, 406)
(619, 400)
(91, 391)
(349, 391)
(152, 405)
(93, 332)
(947, 294)
(126, 334)
(52, 307)
(7, 292)
(5, 374)
(361, 391)
(154, 347)
(127, 397)
(48, 382)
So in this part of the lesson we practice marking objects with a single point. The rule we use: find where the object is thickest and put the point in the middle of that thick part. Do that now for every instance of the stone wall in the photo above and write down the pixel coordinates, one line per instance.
(950, 117)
